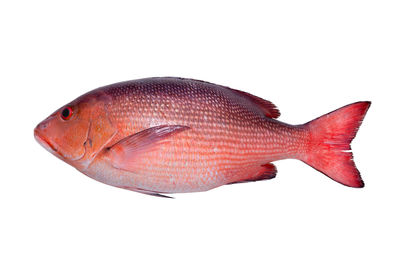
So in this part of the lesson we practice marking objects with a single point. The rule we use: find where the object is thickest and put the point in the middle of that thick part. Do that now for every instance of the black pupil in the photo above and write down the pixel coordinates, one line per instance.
(65, 113)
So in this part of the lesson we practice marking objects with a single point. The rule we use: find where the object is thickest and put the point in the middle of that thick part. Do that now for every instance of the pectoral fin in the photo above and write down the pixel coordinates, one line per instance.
(124, 154)
(146, 192)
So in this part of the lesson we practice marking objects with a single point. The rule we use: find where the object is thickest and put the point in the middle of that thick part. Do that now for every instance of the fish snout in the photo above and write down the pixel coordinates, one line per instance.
(44, 124)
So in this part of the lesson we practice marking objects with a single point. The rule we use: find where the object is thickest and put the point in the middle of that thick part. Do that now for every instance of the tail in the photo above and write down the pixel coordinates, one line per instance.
(329, 144)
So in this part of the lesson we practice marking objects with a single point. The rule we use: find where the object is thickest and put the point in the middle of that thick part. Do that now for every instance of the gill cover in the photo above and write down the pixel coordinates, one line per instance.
(100, 129)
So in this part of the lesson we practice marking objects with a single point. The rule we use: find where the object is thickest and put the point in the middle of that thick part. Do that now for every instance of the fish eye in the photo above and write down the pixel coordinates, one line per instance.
(66, 113)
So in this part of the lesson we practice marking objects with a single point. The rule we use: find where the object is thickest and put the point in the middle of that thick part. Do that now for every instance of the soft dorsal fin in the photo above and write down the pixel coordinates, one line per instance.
(268, 108)
(124, 154)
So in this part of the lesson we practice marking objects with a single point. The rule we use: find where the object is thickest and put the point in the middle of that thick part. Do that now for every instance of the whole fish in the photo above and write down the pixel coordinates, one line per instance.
(173, 135)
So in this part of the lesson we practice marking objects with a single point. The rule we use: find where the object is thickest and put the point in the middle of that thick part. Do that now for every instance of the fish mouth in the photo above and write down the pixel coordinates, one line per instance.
(44, 142)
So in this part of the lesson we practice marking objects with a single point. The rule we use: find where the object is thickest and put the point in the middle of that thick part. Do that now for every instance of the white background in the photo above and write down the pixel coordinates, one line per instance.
(308, 57)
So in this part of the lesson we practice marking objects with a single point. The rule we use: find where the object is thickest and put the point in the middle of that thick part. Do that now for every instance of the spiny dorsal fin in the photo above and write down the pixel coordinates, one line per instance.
(269, 109)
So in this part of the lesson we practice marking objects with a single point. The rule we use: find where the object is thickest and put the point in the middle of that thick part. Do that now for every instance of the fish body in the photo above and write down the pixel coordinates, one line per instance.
(175, 135)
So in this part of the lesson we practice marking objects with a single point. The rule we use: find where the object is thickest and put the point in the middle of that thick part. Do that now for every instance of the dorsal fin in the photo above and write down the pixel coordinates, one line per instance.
(269, 109)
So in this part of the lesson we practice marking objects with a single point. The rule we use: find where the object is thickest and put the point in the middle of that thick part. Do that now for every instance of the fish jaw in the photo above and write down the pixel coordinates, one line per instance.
(42, 140)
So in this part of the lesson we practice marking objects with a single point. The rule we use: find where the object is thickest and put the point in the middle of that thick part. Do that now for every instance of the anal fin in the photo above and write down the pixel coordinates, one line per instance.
(266, 172)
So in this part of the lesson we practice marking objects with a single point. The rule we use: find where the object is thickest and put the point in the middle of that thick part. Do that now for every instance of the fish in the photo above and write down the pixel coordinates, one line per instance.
(166, 135)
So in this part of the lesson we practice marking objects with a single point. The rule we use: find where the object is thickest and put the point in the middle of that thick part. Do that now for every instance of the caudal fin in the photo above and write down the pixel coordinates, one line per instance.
(330, 138)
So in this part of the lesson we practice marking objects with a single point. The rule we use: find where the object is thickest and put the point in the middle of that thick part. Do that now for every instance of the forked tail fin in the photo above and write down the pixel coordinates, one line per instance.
(330, 138)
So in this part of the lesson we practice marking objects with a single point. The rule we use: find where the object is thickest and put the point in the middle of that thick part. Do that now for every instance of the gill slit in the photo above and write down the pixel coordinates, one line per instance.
(87, 138)
(84, 144)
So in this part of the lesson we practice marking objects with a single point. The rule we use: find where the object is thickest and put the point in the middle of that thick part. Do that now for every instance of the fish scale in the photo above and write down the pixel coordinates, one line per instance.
(241, 133)
(171, 135)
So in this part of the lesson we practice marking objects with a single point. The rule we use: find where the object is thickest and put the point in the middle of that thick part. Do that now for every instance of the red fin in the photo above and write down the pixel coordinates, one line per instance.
(146, 192)
(124, 153)
(267, 107)
(267, 171)
(331, 135)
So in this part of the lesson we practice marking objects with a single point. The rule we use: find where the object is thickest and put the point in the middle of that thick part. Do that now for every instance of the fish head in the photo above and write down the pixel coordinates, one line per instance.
(77, 132)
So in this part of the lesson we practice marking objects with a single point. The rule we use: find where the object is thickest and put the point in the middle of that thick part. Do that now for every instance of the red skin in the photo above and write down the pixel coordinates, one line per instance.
(228, 136)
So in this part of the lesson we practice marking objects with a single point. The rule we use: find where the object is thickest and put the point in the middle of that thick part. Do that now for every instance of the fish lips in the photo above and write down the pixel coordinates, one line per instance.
(41, 139)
